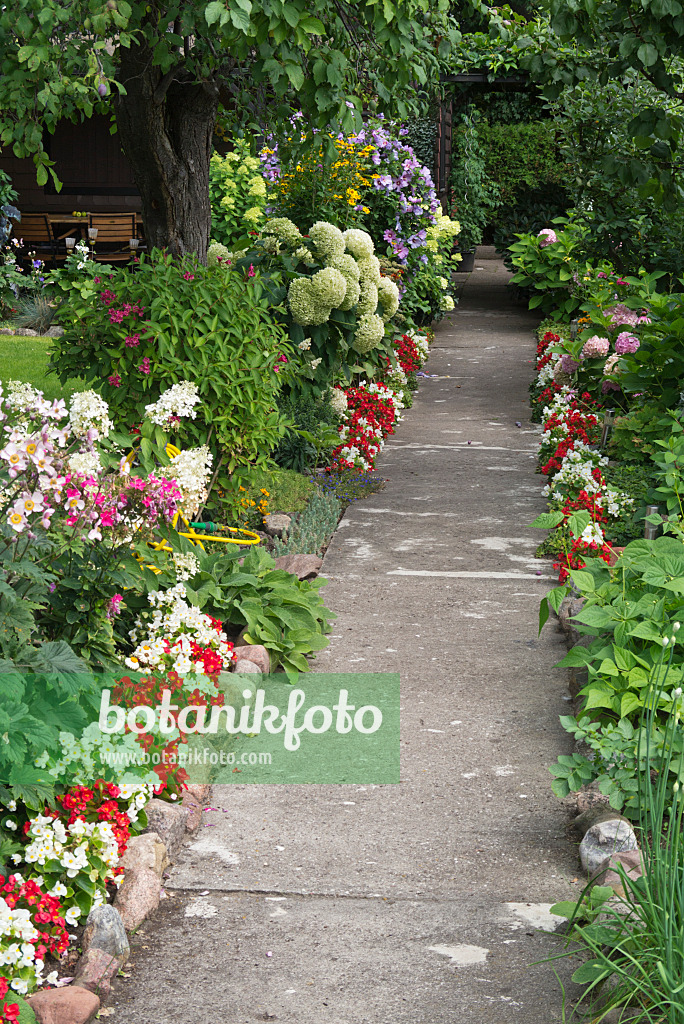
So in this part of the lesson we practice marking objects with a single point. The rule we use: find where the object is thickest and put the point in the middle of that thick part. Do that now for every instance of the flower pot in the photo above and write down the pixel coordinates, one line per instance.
(467, 263)
(615, 553)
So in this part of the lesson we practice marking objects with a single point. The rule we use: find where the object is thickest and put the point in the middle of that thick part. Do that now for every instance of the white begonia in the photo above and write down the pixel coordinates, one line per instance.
(368, 298)
(338, 401)
(85, 463)
(89, 415)
(327, 238)
(421, 342)
(369, 267)
(370, 331)
(388, 294)
(178, 401)
(173, 626)
(329, 287)
(359, 243)
(190, 469)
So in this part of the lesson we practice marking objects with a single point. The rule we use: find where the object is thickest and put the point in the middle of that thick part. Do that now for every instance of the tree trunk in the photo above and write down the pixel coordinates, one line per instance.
(166, 134)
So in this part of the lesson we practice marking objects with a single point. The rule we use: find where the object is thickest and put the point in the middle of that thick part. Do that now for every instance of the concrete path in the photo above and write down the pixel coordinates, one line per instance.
(353, 904)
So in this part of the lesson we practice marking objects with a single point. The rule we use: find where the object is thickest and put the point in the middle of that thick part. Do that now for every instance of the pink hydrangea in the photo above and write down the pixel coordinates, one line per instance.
(610, 365)
(621, 314)
(595, 348)
(547, 236)
(568, 364)
(625, 343)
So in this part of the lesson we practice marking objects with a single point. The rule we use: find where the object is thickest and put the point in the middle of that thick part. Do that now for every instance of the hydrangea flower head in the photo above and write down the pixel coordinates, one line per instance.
(547, 236)
(595, 348)
(626, 343)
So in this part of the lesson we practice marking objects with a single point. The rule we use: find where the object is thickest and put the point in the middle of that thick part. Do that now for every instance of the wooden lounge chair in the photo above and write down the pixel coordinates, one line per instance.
(34, 231)
(114, 232)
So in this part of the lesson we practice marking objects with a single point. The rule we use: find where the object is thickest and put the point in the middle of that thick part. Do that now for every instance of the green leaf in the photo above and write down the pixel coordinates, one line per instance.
(647, 54)
(548, 520)
(213, 11)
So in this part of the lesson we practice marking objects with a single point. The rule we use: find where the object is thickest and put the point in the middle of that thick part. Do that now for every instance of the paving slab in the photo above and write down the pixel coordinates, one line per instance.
(416, 903)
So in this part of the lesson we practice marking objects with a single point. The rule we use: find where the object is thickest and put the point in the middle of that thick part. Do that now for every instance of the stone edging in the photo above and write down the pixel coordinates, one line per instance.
(609, 844)
(105, 942)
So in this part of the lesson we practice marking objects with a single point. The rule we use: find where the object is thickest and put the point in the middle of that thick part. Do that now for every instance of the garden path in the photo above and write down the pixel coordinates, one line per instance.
(353, 904)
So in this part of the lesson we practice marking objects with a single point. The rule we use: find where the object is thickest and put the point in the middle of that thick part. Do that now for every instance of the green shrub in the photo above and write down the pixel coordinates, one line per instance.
(238, 194)
(168, 320)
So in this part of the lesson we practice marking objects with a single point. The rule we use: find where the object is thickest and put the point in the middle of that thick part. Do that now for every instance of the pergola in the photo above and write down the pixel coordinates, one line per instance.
(478, 80)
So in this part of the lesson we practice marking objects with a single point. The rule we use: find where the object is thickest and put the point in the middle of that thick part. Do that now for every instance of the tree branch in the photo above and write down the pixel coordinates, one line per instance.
(164, 83)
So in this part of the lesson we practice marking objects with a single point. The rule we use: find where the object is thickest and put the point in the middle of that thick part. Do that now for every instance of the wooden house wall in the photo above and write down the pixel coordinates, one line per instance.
(95, 174)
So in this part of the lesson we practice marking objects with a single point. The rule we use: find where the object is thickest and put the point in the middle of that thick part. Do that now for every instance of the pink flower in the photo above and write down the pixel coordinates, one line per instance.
(568, 364)
(282, 358)
(145, 366)
(114, 380)
(114, 606)
(250, 272)
(595, 348)
(644, 320)
(97, 280)
(603, 276)
(132, 341)
(547, 236)
(188, 276)
(626, 343)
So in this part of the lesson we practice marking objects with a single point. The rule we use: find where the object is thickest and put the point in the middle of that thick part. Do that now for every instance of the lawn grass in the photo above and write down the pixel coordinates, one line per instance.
(26, 359)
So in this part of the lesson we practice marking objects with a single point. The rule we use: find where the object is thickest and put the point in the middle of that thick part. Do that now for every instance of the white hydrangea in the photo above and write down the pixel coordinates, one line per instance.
(369, 268)
(352, 297)
(89, 415)
(388, 294)
(329, 287)
(217, 251)
(347, 266)
(338, 401)
(284, 229)
(178, 401)
(447, 303)
(359, 243)
(190, 469)
(368, 298)
(306, 309)
(327, 238)
(85, 463)
(369, 332)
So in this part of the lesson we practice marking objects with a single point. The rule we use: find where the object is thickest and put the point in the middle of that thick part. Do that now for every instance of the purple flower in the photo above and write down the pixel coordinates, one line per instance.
(568, 364)
(626, 343)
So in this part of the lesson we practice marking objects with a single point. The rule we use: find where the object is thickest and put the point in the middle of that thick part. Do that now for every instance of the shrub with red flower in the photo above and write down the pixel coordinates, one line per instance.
(9, 1012)
(406, 352)
(574, 560)
(372, 411)
(161, 750)
(102, 801)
